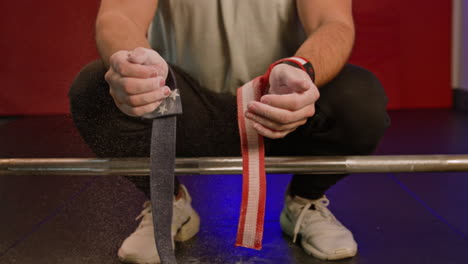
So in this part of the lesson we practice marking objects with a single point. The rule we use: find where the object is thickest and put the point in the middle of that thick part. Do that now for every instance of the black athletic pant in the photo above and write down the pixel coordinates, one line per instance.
(350, 119)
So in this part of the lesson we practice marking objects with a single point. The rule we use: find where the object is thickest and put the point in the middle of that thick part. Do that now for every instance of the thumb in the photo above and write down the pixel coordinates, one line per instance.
(144, 56)
(150, 58)
(285, 79)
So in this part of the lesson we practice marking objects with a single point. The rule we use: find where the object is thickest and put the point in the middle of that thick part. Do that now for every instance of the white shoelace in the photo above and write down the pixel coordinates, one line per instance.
(145, 212)
(320, 207)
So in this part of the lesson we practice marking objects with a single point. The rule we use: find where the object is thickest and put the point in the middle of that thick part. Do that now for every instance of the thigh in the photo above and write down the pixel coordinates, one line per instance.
(106, 130)
(350, 119)
(208, 126)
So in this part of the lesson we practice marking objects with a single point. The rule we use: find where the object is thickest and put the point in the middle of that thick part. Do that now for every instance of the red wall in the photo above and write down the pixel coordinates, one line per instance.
(408, 45)
(45, 43)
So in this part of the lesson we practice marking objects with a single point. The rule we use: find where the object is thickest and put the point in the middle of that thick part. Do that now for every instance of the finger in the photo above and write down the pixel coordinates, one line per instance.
(147, 98)
(120, 64)
(274, 125)
(293, 101)
(111, 76)
(134, 86)
(116, 98)
(140, 110)
(112, 79)
(266, 132)
(280, 115)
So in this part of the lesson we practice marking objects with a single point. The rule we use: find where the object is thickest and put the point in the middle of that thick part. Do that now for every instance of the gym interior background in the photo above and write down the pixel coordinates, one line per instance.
(419, 51)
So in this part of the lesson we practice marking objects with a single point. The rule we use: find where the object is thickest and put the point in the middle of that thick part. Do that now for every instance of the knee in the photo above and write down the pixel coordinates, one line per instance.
(88, 104)
(363, 136)
(361, 110)
(361, 87)
(90, 76)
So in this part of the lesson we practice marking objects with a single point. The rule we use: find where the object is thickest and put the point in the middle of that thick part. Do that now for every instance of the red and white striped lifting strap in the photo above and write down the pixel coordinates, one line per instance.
(252, 214)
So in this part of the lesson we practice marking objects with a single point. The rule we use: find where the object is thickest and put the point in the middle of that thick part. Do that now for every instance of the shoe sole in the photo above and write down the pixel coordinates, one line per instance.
(131, 261)
(288, 228)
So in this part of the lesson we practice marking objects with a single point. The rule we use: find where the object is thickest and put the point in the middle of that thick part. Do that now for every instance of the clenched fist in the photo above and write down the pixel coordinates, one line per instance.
(289, 103)
(137, 80)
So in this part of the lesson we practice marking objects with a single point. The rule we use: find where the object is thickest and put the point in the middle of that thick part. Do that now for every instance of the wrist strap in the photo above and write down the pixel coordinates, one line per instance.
(252, 213)
(163, 151)
(251, 219)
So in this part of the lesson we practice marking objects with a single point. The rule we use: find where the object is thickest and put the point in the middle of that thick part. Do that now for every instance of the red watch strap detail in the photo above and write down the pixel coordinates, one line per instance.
(302, 64)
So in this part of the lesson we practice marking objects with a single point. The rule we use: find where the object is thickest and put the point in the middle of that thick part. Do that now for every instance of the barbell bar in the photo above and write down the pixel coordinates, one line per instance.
(233, 165)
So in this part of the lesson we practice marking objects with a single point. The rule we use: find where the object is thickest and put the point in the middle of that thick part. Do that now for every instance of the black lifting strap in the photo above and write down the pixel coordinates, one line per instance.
(163, 140)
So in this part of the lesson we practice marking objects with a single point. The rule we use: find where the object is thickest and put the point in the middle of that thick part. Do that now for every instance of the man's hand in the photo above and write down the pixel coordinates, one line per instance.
(290, 101)
(137, 80)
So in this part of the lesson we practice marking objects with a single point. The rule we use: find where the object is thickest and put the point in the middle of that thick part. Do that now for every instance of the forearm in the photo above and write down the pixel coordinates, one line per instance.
(328, 48)
(116, 32)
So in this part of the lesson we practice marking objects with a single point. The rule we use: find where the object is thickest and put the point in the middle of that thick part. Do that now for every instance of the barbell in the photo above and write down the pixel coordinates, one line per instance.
(233, 165)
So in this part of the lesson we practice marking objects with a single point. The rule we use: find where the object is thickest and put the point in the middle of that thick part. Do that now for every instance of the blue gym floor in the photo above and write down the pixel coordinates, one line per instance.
(396, 218)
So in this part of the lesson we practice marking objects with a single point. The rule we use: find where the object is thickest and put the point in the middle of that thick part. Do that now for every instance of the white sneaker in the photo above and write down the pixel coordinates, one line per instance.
(322, 235)
(140, 247)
